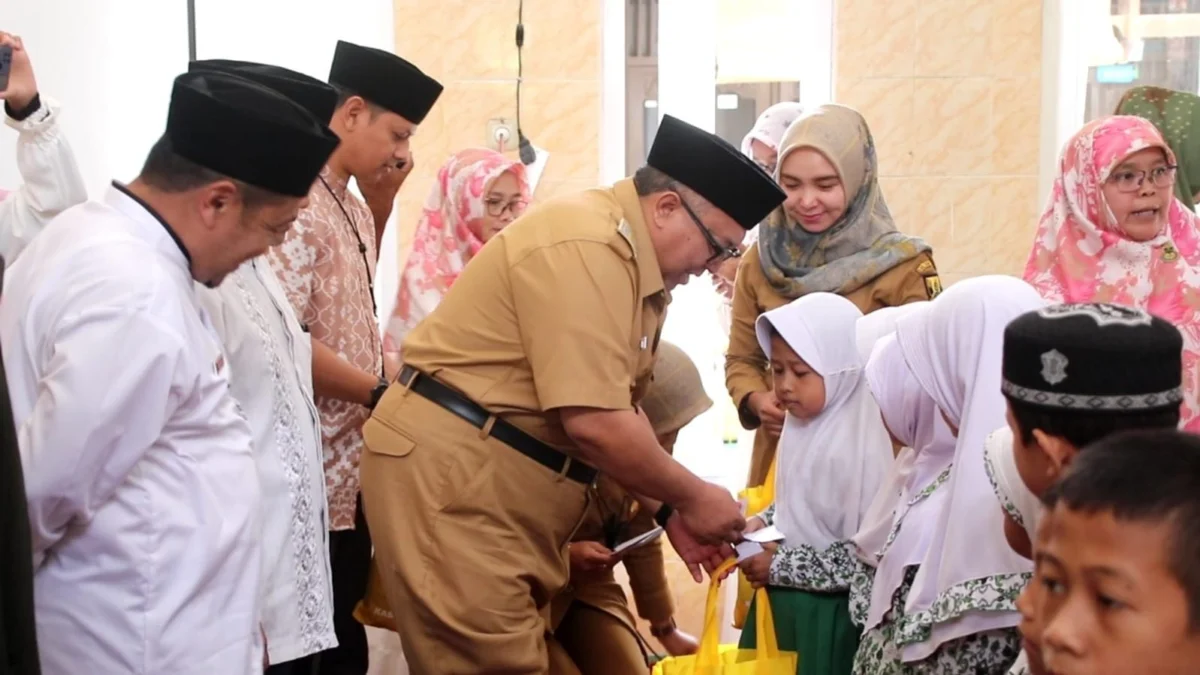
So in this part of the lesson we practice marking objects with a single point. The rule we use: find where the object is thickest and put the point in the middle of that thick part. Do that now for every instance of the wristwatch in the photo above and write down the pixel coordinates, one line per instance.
(378, 392)
(663, 514)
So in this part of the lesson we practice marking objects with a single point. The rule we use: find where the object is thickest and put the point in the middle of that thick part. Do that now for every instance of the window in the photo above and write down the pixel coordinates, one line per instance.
(1153, 42)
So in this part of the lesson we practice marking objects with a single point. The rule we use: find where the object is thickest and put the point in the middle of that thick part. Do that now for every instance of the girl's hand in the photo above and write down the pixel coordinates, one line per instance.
(766, 407)
(758, 568)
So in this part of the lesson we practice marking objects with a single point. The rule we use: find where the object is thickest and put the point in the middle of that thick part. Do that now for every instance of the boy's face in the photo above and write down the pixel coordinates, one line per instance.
(1030, 605)
(1040, 462)
(1108, 600)
(799, 388)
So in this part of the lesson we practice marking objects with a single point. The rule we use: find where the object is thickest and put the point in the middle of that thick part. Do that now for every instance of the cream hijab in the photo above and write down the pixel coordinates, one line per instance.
(830, 467)
(969, 579)
(864, 243)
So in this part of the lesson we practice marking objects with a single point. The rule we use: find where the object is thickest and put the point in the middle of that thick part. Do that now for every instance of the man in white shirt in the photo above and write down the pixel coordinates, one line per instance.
(270, 363)
(52, 182)
(141, 481)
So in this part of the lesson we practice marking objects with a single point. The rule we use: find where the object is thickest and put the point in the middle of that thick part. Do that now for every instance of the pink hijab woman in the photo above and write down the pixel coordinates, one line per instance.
(478, 192)
(1114, 232)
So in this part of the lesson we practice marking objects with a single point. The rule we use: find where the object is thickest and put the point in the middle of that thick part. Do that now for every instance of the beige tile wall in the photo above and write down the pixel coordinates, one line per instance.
(952, 91)
(469, 45)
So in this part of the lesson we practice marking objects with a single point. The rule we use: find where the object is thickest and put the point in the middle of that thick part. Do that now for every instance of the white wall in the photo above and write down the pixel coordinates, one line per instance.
(110, 64)
(1064, 85)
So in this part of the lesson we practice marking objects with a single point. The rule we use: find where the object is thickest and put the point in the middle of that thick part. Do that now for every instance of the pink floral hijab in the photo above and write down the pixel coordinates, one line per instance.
(1079, 255)
(447, 236)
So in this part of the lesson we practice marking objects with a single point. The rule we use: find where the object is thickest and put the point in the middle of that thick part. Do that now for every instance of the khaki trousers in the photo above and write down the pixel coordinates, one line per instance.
(470, 539)
(600, 643)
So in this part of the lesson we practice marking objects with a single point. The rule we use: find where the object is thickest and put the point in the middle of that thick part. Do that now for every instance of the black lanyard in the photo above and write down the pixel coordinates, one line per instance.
(362, 250)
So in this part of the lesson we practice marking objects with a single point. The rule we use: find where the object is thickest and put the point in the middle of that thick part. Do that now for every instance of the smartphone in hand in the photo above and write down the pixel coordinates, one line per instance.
(5, 65)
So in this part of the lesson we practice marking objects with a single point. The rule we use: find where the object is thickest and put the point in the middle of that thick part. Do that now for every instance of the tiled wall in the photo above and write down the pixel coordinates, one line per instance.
(469, 45)
(952, 91)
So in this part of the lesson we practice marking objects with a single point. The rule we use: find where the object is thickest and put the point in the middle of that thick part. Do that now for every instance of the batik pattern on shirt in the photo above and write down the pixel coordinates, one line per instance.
(327, 267)
(987, 653)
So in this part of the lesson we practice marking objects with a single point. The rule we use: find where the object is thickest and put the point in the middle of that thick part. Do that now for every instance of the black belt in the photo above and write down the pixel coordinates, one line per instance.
(477, 416)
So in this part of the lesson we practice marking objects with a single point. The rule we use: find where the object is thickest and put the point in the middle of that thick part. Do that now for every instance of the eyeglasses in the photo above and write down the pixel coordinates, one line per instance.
(720, 253)
(497, 208)
(1132, 181)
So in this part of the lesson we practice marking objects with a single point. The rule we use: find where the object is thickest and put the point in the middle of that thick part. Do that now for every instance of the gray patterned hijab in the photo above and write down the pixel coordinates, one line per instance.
(863, 243)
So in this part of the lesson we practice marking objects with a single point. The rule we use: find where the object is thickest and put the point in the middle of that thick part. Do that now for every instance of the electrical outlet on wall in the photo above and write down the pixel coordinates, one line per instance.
(501, 134)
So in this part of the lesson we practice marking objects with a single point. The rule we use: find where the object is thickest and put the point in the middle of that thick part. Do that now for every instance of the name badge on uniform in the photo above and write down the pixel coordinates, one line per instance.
(626, 233)
(645, 342)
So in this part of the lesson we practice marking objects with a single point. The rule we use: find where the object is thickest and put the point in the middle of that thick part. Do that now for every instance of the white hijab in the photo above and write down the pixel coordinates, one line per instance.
(877, 523)
(831, 466)
(954, 350)
(913, 418)
(770, 125)
(1017, 500)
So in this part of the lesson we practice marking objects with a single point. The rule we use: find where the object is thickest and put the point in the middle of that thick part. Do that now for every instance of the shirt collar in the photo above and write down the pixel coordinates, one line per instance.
(649, 273)
(129, 204)
(336, 185)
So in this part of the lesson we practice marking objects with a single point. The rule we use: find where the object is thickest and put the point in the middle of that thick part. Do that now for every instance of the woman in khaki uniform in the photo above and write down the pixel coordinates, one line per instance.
(833, 234)
(591, 617)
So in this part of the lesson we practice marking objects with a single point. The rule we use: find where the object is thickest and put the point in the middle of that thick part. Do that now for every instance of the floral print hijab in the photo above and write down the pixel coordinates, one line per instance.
(1079, 255)
(447, 236)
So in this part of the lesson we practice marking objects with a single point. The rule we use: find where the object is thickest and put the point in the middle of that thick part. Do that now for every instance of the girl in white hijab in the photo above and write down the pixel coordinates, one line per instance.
(833, 454)
(943, 598)
(873, 328)
(762, 143)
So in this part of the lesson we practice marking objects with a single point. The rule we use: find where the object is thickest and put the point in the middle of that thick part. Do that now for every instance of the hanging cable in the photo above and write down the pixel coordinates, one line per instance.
(524, 147)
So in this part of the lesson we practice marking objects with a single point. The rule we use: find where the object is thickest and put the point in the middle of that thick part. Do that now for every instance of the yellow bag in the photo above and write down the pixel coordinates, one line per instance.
(713, 659)
(757, 500)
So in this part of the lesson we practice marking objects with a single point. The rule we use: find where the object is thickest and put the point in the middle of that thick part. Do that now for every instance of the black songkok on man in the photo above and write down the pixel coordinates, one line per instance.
(248, 132)
(715, 170)
(384, 79)
(315, 96)
(1093, 358)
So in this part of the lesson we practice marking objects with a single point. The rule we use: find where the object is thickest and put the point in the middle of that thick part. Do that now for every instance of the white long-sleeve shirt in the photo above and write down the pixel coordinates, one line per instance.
(270, 364)
(51, 180)
(141, 481)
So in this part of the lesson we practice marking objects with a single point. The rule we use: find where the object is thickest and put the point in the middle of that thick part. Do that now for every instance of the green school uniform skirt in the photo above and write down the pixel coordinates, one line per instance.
(816, 626)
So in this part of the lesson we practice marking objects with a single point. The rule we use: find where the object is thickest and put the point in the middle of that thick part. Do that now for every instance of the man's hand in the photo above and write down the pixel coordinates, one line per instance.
(677, 642)
(753, 524)
(22, 86)
(379, 190)
(589, 559)
(695, 555)
(725, 276)
(766, 408)
(384, 183)
(758, 568)
(712, 516)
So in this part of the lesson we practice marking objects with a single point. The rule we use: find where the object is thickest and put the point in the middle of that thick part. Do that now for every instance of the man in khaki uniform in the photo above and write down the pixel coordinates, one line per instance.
(523, 383)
